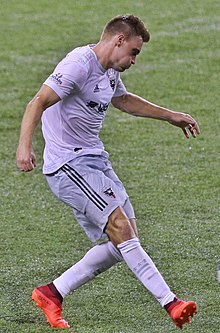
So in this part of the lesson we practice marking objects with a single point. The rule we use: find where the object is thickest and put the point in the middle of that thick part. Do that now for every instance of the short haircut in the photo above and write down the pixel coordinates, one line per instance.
(129, 25)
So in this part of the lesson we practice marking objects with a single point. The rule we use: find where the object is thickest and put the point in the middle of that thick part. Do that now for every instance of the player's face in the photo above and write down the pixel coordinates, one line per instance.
(126, 53)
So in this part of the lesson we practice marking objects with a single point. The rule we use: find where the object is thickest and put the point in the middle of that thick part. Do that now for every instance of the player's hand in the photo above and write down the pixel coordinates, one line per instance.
(26, 159)
(186, 122)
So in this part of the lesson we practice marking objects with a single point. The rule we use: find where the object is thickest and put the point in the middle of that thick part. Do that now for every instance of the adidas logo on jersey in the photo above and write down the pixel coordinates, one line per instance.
(96, 89)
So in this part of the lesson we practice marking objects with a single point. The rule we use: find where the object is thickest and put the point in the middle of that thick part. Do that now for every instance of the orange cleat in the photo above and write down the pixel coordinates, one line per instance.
(51, 306)
(181, 311)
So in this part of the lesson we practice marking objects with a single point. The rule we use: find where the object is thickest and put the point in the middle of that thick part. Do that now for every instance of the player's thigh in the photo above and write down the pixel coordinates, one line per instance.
(127, 206)
(91, 194)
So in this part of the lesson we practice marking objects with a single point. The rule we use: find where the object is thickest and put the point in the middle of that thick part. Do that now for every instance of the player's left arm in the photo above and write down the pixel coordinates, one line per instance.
(138, 106)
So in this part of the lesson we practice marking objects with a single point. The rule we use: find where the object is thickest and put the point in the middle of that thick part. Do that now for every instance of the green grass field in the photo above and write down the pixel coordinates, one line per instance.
(174, 183)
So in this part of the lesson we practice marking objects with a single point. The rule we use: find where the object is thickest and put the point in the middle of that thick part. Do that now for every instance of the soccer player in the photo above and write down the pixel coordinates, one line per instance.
(72, 104)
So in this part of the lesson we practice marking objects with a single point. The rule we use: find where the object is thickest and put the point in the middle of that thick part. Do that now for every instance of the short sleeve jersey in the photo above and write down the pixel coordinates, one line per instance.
(71, 127)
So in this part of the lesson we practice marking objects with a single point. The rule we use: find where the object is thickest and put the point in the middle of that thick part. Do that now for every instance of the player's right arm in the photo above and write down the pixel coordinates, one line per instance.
(25, 157)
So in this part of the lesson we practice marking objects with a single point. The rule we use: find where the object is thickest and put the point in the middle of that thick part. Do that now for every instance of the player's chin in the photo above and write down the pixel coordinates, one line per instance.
(122, 69)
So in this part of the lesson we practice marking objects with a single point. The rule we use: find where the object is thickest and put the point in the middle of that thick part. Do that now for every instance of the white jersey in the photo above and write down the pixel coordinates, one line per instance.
(71, 127)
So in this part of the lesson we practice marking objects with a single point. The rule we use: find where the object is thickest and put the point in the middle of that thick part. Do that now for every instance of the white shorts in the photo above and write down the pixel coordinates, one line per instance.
(90, 186)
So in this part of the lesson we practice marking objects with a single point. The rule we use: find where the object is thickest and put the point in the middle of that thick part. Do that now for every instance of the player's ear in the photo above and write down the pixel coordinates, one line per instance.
(120, 40)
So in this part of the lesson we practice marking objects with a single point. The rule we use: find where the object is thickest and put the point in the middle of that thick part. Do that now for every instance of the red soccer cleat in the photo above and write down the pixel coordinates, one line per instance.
(181, 311)
(51, 306)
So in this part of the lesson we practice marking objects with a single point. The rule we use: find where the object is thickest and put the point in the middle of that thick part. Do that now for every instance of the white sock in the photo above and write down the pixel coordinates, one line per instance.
(97, 260)
(145, 270)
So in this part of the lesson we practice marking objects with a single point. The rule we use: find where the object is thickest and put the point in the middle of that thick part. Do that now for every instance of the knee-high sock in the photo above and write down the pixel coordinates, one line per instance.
(145, 270)
(97, 260)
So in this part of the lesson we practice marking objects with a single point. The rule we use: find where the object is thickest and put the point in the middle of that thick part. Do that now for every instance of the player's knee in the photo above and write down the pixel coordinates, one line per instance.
(118, 227)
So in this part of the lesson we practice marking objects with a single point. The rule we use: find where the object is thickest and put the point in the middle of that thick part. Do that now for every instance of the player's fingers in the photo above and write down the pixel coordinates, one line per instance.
(192, 129)
(196, 128)
(185, 133)
(25, 166)
(33, 160)
(192, 126)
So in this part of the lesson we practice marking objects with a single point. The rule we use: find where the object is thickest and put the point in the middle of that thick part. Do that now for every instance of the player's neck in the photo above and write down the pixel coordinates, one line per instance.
(103, 51)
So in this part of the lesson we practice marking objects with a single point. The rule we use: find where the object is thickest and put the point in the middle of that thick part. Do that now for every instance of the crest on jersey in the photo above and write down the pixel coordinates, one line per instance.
(111, 76)
(110, 192)
(112, 83)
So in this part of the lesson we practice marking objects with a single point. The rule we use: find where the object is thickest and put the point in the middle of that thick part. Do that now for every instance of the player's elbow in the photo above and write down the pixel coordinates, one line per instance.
(120, 102)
